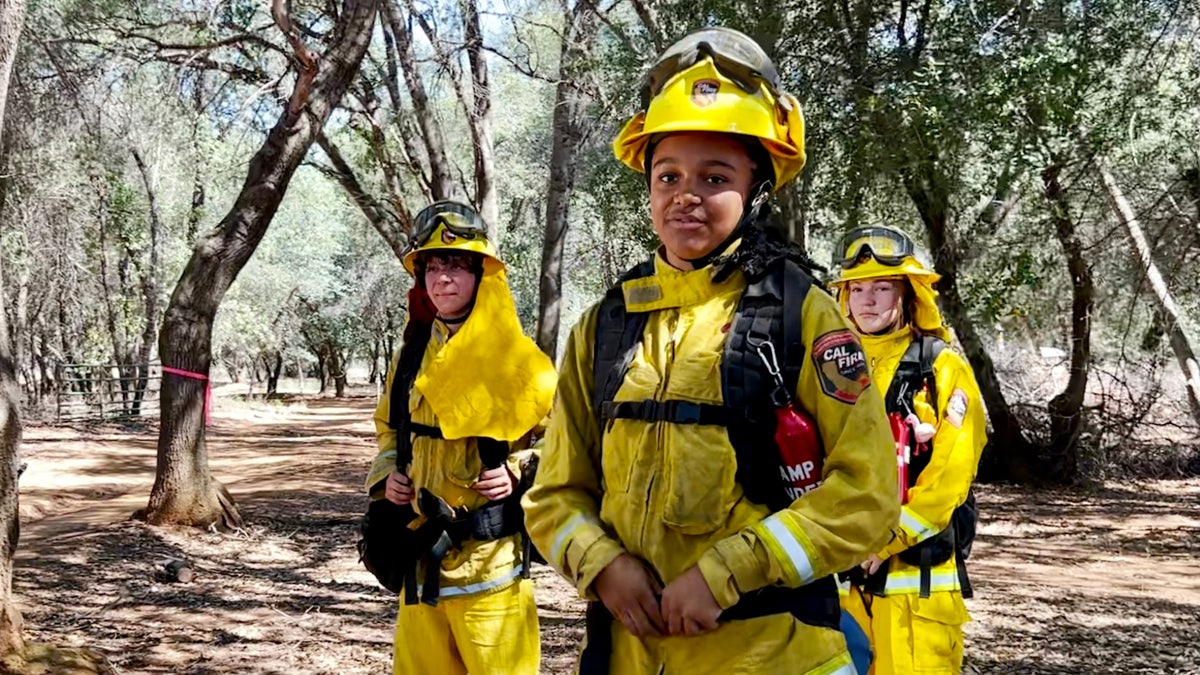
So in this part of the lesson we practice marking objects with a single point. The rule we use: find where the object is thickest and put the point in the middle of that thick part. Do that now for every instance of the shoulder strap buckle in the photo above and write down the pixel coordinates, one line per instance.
(683, 412)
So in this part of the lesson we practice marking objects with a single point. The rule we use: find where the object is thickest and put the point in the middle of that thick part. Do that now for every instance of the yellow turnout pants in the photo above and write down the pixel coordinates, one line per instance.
(770, 645)
(910, 635)
(493, 633)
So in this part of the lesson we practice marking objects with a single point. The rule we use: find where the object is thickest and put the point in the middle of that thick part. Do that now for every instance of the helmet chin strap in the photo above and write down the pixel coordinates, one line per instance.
(759, 195)
(456, 320)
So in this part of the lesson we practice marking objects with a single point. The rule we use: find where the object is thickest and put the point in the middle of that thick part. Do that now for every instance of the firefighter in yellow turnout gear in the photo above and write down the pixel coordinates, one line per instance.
(640, 501)
(480, 388)
(888, 294)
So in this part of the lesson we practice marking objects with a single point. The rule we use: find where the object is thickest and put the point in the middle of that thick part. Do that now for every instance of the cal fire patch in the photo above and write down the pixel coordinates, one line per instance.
(956, 409)
(841, 365)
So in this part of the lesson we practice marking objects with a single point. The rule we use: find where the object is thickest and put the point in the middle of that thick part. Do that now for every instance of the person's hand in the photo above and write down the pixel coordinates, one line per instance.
(872, 564)
(629, 592)
(495, 483)
(688, 605)
(398, 490)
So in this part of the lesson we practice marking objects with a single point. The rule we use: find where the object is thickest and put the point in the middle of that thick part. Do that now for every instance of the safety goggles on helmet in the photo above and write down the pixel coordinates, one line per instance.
(458, 218)
(885, 245)
(734, 55)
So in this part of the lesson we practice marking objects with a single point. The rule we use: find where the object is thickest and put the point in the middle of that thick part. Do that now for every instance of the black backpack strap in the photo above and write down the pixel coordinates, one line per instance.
(907, 380)
(769, 311)
(964, 522)
(796, 284)
(676, 411)
(964, 580)
(914, 372)
(596, 655)
(412, 352)
(931, 349)
(618, 334)
(417, 429)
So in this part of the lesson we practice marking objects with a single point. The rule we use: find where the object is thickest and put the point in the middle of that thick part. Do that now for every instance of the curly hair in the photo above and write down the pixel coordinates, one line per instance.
(473, 262)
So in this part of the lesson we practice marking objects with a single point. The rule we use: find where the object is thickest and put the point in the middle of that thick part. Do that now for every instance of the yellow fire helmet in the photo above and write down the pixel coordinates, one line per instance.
(451, 226)
(881, 252)
(877, 252)
(719, 80)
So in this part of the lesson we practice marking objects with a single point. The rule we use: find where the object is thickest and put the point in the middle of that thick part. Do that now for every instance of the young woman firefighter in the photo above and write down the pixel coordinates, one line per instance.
(661, 493)
(456, 413)
(909, 598)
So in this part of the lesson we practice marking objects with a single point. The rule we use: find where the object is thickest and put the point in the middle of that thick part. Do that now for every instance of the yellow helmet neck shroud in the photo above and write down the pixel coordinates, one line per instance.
(489, 379)
(925, 315)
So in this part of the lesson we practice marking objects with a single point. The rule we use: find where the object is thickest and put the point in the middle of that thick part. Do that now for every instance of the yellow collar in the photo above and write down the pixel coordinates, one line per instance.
(670, 288)
(876, 344)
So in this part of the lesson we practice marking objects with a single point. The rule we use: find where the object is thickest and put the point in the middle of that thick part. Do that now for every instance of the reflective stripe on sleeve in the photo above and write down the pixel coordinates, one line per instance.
(915, 526)
(563, 537)
(776, 530)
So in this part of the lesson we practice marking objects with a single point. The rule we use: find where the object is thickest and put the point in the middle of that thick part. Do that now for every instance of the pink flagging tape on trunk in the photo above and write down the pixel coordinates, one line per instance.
(207, 388)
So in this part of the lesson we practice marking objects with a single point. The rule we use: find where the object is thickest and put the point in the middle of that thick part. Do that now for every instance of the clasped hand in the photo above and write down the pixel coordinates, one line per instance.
(493, 484)
(631, 594)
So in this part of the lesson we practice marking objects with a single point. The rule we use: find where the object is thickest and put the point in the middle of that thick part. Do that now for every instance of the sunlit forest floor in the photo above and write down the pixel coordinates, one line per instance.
(1096, 581)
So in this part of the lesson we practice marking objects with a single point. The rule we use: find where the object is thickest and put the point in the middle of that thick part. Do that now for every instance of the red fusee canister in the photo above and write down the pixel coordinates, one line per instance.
(900, 433)
(796, 435)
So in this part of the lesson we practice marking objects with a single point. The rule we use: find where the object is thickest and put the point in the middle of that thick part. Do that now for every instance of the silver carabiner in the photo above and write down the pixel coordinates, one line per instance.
(766, 352)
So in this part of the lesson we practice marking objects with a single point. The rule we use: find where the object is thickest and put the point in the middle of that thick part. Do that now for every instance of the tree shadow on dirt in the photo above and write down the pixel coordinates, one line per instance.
(1113, 636)
(108, 588)
(1063, 519)
(1039, 503)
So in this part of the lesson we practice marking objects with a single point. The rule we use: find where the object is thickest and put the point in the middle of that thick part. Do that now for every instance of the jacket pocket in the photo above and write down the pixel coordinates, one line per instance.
(622, 438)
(618, 454)
(700, 463)
(700, 468)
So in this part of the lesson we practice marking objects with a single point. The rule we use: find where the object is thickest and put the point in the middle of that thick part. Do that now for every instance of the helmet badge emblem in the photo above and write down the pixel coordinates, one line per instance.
(448, 237)
(704, 92)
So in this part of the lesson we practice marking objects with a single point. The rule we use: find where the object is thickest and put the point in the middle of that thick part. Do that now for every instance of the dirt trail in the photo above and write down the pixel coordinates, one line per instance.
(1079, 582)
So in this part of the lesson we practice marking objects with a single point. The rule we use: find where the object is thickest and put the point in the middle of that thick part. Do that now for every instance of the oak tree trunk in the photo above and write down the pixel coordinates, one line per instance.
(1066, 409)
(12, 17)
(1181, 341)
(184, 490)
(1007, 442)
(571, 101)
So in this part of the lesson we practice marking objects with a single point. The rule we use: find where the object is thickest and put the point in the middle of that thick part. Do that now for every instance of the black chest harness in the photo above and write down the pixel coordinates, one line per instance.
(396, 557)
(768, 311)
(914, 373)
